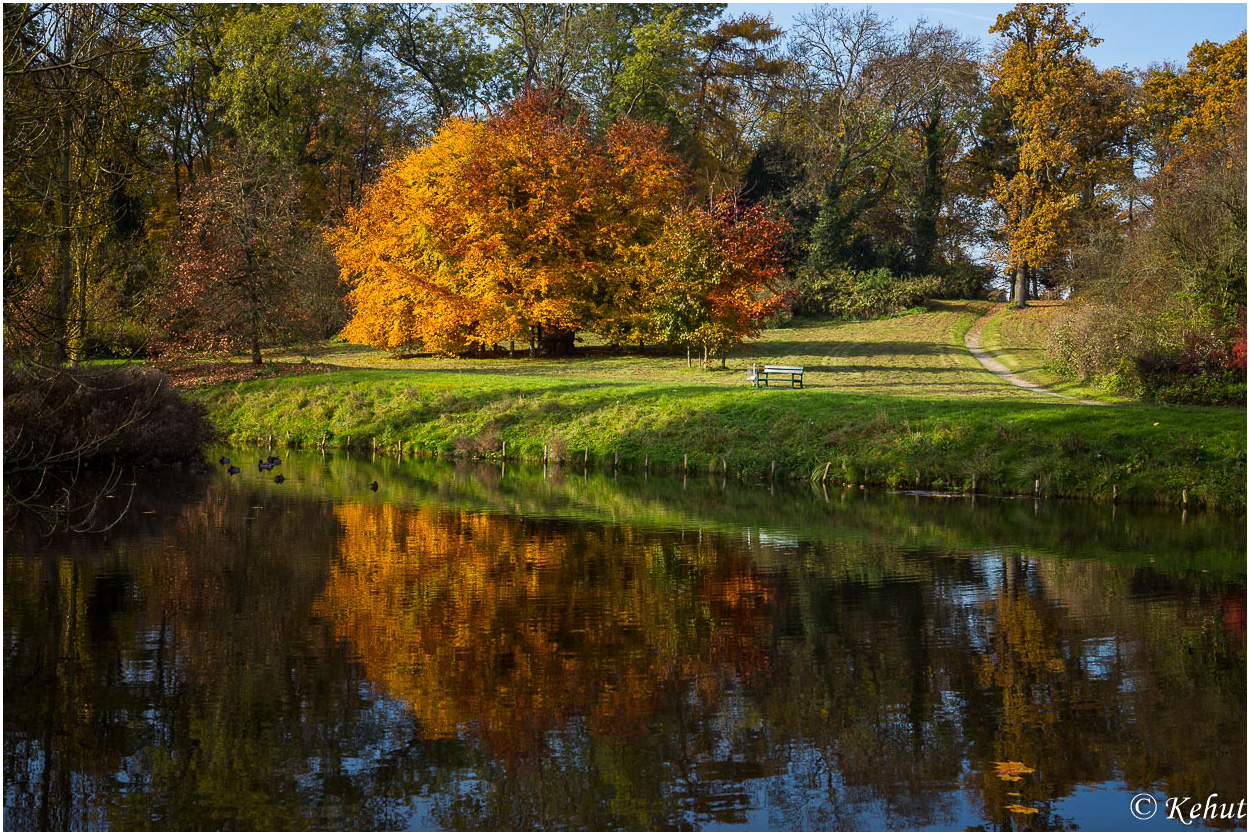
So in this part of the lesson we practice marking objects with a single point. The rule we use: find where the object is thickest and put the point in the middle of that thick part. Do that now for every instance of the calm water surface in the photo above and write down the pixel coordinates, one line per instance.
(474, 649)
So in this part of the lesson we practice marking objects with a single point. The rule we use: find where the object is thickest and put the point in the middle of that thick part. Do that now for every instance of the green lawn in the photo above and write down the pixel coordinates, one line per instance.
(916, 355)
(896, 402)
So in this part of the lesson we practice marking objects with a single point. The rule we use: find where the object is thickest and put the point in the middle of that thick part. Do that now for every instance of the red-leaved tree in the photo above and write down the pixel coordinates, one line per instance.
(246, 268)
(715, 275)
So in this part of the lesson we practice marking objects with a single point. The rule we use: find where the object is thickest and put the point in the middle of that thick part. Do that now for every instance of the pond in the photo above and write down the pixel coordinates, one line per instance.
(488, 647)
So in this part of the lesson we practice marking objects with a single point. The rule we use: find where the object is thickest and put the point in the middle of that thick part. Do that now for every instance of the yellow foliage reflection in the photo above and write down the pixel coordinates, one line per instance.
(507, 629)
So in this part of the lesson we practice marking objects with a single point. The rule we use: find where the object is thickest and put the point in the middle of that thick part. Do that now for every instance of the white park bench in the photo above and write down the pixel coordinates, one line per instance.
(791, 373)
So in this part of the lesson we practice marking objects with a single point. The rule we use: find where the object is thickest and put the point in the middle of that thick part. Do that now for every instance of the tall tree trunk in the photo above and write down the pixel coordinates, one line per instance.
(65, 286)
(255, 330)
(253, 297)
(78, 349)
(1020, 298)
(1087, 193)
(177, 151)
(556, 342)
(929, 203)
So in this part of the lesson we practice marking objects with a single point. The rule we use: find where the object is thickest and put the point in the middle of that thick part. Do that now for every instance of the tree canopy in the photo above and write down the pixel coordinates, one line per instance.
(502, 229)
(897, 150)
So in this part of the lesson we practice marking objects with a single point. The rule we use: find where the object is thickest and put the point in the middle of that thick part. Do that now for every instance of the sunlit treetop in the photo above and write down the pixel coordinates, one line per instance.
(501, 226)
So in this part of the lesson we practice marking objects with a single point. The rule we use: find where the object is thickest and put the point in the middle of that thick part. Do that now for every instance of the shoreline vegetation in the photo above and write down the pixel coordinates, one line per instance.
(895, 403)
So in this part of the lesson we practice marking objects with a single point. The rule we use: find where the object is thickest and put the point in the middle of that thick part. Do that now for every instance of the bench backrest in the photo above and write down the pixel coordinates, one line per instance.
(783, 369)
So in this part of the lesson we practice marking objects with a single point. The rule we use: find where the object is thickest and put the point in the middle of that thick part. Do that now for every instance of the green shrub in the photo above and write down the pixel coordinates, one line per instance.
(122, 339)
(1161, 312)
(1223, 388)
(965, 280)
(1098, 340)
(846, 294)
(1146, 357)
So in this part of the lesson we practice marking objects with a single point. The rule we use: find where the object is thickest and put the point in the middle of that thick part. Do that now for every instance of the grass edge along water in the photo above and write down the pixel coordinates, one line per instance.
(895, 403)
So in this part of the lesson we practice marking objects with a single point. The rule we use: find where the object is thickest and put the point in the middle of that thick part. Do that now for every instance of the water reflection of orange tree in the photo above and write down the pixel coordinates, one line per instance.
(505, 629)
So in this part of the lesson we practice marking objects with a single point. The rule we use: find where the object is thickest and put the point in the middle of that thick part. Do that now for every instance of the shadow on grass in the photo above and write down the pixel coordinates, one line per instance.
(758, 351)
(856, 368)
(800, 348)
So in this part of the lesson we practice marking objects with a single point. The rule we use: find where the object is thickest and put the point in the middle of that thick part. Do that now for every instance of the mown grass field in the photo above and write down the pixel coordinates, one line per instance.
(908, 355)
(895, 402)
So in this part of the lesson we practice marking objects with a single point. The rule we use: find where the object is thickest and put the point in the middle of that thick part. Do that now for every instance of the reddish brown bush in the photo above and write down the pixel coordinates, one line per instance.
(65, 418)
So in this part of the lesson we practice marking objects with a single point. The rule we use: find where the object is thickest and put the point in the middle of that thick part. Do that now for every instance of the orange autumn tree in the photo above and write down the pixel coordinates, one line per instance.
(1196, 114)
(1040, 73)
(511, 228)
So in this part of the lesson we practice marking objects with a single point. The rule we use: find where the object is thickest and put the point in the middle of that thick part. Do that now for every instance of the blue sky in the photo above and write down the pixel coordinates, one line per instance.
(1134, 34)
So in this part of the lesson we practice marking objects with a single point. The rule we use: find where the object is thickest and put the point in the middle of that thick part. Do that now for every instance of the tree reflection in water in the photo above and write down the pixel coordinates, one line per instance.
(507, 628)
(254, 661)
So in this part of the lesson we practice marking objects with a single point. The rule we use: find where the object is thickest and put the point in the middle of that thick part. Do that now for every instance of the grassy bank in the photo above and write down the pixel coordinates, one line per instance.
(1019, 340)
(896, 403)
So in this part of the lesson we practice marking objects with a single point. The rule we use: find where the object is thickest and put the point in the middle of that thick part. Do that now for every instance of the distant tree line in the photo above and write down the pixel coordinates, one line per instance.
(183, 177)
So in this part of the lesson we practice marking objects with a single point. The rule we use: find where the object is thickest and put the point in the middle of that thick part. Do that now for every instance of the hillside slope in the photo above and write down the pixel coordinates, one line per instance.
(1019, 339)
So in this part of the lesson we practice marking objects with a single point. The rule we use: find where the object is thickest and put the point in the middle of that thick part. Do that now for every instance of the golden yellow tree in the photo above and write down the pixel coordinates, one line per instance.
(1198, 112)
(1044, 81)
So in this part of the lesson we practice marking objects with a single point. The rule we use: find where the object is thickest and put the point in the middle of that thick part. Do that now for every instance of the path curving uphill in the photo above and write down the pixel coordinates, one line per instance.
(972, 340)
